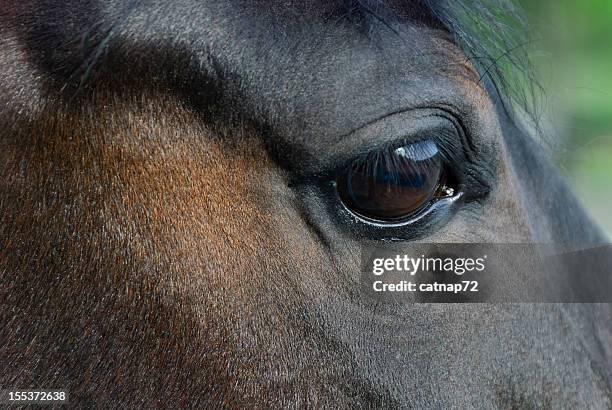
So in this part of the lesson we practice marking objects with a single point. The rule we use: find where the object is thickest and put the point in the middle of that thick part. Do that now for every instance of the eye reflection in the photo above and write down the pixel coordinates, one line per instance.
(393, 184)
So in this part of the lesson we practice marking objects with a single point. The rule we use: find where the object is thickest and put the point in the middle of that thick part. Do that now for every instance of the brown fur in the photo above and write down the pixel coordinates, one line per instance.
(147, 260)
(141, 241)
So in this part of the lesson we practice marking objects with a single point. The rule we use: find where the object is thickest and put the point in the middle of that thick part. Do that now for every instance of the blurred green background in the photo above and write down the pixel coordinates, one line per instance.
(573, 40)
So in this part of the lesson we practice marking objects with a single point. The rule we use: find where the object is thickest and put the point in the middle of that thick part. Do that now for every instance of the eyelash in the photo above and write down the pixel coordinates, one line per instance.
(446, 143)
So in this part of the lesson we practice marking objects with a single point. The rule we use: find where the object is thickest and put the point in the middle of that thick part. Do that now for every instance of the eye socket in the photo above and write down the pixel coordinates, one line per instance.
(394, 184)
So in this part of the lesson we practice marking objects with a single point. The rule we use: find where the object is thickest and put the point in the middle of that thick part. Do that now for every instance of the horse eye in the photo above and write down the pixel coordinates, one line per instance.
(394, 184)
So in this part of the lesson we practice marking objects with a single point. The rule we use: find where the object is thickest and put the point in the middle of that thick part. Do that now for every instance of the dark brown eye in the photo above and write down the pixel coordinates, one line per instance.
(391, 185)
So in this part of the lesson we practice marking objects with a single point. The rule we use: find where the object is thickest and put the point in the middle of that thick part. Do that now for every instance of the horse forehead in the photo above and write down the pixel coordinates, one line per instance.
(311, 78)
(308, 71)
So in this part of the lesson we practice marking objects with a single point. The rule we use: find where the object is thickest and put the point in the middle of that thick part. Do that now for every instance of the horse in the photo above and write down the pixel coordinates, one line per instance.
(186, 187)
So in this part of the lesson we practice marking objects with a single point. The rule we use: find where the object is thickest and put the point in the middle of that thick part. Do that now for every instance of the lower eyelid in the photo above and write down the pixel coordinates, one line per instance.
(417, 226)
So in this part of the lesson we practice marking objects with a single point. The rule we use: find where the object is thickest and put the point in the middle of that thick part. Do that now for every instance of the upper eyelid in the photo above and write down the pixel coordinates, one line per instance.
(438, 136)
(409, 128)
